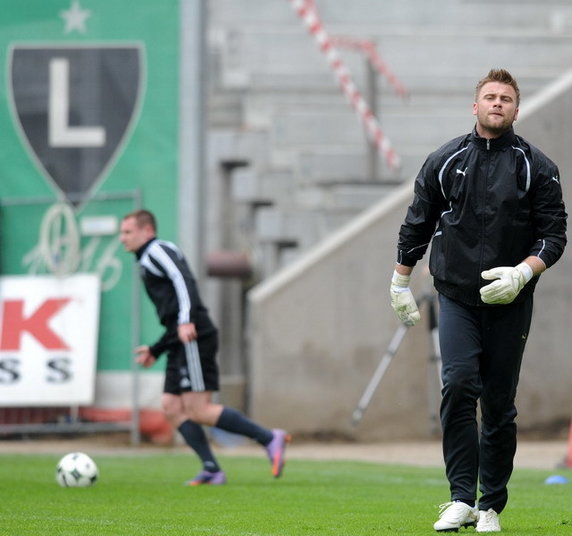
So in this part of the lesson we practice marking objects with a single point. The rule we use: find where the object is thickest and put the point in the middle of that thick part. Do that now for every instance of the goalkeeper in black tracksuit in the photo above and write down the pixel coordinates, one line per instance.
(491, 205)
(191, 342)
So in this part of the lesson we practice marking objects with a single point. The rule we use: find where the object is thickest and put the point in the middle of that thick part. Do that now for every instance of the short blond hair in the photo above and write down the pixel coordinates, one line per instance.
(143, 217)
(498, 75)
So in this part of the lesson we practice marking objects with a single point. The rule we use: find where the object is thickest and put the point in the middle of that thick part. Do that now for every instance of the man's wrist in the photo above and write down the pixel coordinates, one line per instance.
(400, 280)
(526, 270)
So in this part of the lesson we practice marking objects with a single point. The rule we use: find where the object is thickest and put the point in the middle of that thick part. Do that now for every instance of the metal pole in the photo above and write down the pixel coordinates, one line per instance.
(135, 341)
(379, 373)
(192, 174)
(434, 364)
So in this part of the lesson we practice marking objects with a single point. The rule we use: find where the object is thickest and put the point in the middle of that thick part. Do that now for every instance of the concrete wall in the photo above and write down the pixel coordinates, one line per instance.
(319, 328)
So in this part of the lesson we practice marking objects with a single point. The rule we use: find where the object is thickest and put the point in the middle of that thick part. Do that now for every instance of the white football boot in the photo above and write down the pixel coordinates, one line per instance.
(454, 515)
(488, 521)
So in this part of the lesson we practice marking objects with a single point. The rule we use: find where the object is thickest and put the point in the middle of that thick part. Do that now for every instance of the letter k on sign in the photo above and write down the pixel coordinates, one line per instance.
(37, 324)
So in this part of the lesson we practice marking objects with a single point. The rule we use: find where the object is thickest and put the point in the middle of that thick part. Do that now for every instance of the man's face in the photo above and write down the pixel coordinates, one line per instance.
(132, 236)
(496, 109)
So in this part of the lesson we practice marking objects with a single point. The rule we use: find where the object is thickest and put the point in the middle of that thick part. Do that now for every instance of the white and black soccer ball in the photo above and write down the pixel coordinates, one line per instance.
(76, 470)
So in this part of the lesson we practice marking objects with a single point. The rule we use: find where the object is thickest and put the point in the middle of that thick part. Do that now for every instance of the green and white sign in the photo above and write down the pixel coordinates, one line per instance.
(90, 131)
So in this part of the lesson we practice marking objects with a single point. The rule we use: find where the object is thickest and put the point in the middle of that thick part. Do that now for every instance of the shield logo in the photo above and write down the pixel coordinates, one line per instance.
(75, 107)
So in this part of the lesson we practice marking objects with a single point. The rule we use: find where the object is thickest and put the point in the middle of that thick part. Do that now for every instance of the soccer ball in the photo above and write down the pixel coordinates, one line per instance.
(76, 470)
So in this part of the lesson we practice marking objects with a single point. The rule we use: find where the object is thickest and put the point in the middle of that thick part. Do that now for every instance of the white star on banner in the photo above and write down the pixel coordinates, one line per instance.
(75, 17)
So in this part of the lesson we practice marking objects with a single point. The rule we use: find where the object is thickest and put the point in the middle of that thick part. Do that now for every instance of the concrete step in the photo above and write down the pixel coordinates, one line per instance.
(343, 129)
(549, 14)
(257, 57)
(253, 186)
(326, 164)
(232, 145)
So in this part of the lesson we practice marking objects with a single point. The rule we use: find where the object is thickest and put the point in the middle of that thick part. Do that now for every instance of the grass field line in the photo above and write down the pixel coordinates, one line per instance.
(530, 454)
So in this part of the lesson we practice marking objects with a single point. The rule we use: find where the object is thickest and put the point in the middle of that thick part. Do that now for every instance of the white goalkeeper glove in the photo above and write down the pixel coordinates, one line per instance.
(508, 282)
(402, 300)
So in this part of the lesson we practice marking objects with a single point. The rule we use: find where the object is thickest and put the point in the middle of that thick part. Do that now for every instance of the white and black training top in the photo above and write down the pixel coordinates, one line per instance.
(173, 290)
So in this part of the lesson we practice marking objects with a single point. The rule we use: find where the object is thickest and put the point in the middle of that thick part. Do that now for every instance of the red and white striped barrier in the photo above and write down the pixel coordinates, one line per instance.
(370, 50)
(307, 12)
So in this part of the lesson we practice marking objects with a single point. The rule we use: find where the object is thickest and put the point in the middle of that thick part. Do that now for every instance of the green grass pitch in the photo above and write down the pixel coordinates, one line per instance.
(143, 495)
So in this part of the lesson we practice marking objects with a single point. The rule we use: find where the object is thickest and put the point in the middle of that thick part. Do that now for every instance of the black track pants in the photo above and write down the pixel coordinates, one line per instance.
(481, 350)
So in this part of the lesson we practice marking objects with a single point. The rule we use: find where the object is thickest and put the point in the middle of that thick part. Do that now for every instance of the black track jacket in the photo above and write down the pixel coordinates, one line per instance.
(173, 290)
(483, 203)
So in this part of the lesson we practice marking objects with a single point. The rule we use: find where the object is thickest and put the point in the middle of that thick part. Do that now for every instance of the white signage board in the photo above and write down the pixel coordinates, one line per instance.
(48, 339)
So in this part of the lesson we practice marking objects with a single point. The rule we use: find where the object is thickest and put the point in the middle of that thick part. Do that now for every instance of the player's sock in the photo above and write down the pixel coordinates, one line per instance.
(233, 421)
(196, 438)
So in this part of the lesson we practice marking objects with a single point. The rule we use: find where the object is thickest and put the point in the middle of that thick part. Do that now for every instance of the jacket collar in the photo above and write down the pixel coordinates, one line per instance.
(141, 250)
(494, 144)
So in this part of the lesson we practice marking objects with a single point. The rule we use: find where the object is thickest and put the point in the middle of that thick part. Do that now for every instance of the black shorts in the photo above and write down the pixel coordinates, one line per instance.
(192, 367)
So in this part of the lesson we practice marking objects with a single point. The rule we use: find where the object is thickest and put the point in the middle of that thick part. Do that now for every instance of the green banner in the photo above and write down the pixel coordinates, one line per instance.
(89, 132)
